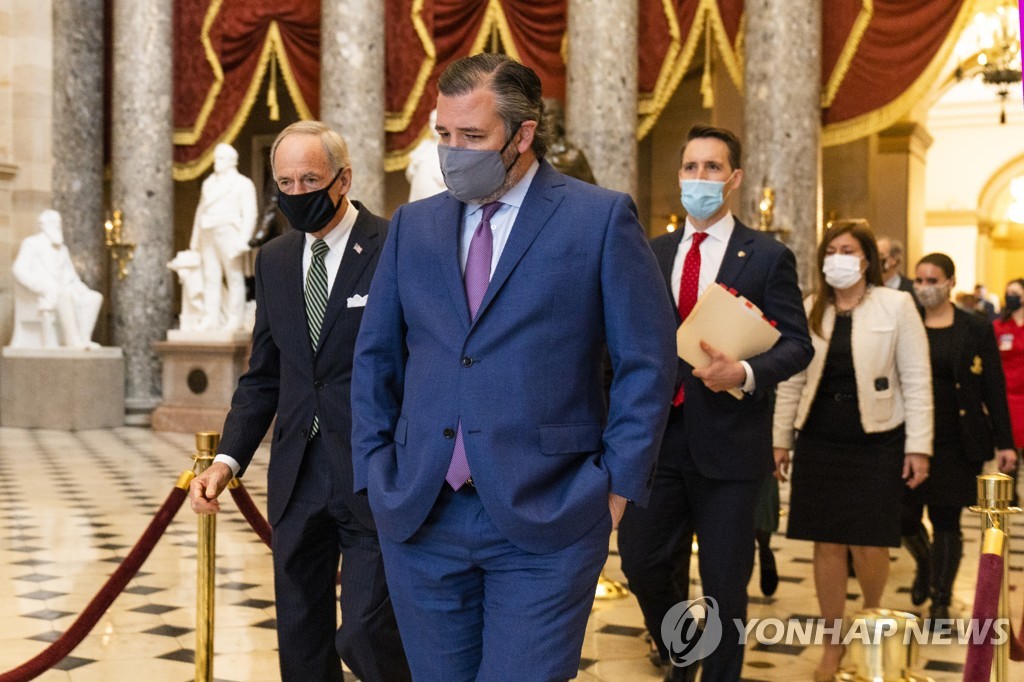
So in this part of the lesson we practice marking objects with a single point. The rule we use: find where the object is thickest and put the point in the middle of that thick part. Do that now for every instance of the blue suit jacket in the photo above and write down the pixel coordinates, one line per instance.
(286, 377)
(526, 376)
(731, 439)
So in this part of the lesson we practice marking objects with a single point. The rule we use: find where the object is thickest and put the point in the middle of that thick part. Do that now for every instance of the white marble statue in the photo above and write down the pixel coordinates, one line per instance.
(424, 171)
(188, 265)
(53, 308)
(224, 223)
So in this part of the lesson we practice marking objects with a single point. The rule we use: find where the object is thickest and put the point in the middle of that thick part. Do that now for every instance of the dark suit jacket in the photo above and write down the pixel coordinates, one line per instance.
(906, 285)
(286, 377)
(525, 377)
(731, 439)
(980, 388)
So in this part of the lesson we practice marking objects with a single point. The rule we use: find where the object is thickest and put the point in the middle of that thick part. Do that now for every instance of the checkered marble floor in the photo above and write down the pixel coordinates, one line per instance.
(73, 505)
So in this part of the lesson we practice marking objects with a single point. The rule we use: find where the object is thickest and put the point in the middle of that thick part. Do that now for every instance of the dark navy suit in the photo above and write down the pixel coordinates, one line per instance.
(311, 505)
(526, 379)
(715, 453)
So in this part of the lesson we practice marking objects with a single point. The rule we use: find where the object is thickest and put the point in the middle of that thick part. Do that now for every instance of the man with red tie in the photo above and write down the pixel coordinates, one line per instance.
(716, 449)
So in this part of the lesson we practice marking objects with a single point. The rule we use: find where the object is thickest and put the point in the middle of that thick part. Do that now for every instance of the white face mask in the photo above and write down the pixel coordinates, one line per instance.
(842, 270)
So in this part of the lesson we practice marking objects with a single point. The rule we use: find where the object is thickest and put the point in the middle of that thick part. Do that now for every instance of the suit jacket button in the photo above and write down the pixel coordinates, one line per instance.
(449, 433)
(467, 361)
(318, 385)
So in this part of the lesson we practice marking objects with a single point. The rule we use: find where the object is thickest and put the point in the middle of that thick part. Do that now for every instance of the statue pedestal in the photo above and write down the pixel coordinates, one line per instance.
(62, 388)
(200, 373)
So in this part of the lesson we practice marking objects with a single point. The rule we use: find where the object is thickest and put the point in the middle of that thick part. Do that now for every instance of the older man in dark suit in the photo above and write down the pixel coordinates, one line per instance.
(716, 449)
(311, 290)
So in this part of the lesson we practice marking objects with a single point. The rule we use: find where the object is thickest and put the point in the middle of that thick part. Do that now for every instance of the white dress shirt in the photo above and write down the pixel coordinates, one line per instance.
(712, 253)
(501, 221)
(337, 240)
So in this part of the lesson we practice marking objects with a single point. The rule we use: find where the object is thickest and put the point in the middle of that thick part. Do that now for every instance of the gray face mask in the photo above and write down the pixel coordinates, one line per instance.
(473, 174)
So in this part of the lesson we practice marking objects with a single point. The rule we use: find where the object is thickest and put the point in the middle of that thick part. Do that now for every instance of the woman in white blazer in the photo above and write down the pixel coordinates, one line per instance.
(859, 422)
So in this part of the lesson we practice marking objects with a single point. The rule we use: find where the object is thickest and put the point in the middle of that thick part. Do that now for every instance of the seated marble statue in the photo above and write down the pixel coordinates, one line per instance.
(562, 154)
(188, 265)
(424, 171)
(224, 223)
(53, 308)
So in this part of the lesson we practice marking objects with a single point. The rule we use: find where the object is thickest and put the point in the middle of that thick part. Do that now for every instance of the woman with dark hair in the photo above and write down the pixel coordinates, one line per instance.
(1009, 331)
(971, 421)
(863, 414)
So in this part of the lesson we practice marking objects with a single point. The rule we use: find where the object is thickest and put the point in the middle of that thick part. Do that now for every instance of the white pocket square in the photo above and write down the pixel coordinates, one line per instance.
(357, 301)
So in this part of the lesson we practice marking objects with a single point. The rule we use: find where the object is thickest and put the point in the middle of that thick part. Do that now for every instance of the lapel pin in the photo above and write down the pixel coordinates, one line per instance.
(741, 254)
(357, 248)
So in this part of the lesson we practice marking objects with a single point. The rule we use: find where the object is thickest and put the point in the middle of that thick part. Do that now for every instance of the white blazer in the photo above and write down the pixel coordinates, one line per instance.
(891, 364)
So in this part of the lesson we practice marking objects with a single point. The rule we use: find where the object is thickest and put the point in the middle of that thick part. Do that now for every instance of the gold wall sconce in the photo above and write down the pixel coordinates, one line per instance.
(121, 252)
(766, 213)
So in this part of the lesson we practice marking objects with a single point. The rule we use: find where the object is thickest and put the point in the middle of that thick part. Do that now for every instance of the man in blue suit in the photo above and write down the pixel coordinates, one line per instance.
(494, 464)
(311, 287)
(716, 449)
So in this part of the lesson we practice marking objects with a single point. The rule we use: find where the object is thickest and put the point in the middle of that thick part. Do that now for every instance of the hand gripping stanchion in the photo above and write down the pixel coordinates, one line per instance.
(206, 560)
(995, 492)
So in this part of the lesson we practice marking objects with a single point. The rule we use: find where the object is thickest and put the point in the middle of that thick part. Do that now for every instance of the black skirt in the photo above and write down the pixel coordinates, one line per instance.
(847, 485)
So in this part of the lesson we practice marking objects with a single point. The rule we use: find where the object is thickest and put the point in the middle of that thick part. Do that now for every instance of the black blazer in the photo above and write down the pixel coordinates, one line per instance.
(731, 439)
(980, 388)
(286, 378)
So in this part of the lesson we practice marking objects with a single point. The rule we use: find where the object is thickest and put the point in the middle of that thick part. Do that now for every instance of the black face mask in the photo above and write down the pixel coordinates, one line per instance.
(310, 212)
(1012, 302)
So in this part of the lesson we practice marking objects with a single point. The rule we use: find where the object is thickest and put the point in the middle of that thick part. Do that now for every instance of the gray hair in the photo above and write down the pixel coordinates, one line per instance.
(334, 145)
(516, 88)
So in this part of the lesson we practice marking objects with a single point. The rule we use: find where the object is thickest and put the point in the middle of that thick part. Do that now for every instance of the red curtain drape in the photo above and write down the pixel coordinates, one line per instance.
(882, 58)
(899, 44)
(236, 37)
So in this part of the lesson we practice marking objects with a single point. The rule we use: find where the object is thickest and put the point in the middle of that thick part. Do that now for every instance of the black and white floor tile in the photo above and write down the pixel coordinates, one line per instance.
(72, 505)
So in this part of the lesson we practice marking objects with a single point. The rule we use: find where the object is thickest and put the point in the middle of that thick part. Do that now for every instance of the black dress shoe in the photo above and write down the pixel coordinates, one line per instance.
(769, 572)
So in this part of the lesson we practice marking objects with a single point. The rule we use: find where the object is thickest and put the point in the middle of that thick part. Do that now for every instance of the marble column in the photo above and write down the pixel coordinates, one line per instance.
(782, 120)
(143, 189)
(352, 89)
(601, 89)
(78, 133)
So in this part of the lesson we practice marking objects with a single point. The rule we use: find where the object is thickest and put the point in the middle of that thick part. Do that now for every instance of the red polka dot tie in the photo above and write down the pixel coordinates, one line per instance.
(688, 289)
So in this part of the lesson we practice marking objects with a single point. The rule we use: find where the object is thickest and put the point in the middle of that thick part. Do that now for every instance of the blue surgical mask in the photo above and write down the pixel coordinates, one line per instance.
(702, 198)
(473, 174)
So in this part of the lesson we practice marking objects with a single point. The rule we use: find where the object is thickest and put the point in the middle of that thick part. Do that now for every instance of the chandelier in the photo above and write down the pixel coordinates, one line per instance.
(996, 50)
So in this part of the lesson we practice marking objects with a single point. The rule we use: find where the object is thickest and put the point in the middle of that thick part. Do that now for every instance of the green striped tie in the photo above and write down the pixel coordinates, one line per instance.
(316, 303)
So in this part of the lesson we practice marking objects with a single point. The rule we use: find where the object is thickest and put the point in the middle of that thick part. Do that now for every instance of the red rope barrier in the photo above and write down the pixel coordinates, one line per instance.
(249, 510)
(85, 622)
(978, 665)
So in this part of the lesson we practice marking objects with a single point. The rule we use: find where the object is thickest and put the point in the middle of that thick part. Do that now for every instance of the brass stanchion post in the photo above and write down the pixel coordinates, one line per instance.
(206, 559)
(995, 492)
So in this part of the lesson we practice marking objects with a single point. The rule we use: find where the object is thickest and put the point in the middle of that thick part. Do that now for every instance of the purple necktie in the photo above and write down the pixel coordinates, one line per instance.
(476, 278)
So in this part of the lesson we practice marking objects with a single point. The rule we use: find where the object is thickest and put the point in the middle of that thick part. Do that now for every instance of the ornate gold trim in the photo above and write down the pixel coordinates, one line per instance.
(860, 26)
(396, 122)
(884, 116)
(187, 136)
(271, 44)
(673, 67)
(499, 19)
(728, 51)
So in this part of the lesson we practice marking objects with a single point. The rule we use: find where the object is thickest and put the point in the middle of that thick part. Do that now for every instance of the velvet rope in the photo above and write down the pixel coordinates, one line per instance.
(251, 513)
(85, 622)
(978, 665)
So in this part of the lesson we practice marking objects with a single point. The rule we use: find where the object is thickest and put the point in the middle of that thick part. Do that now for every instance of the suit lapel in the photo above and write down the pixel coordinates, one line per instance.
(666, 260)
(295, 292)
(353, 262)
(543, 197)
(737, 255)
(448, 227)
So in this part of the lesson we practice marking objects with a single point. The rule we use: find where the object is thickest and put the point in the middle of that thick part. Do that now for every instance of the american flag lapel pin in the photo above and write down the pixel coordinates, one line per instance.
(357, 248)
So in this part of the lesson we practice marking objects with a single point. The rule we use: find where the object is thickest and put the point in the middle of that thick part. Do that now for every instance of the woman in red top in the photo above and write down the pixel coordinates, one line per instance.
(1009, 329)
